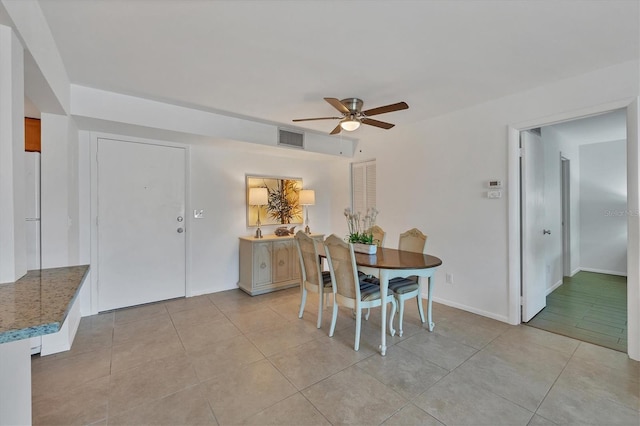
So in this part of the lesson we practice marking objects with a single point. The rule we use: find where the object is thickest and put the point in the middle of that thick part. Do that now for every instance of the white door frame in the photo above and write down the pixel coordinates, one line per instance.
(94, 209)
(565, 173)
(632, 105)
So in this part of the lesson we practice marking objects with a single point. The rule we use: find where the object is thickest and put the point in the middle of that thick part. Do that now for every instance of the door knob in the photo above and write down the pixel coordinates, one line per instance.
(546, 232)
(180, 230)
(179, 219)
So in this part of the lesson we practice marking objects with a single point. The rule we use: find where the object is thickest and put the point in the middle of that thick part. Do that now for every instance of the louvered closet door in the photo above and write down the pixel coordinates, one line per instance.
(363, 186)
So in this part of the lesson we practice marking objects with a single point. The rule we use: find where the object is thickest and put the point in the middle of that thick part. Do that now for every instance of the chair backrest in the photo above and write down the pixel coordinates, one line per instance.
(378, 235)
(309, 260)
(412, 240)
(342, 265)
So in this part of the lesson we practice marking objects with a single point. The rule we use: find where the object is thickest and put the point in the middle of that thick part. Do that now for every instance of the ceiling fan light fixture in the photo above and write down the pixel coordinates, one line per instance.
(352, 115)
(350, 124)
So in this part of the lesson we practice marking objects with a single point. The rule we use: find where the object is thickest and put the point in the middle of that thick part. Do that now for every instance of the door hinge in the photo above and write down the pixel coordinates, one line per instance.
(521, 301)
(521, 153)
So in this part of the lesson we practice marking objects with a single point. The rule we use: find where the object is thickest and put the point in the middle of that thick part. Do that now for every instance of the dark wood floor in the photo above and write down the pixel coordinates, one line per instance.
(590, 307)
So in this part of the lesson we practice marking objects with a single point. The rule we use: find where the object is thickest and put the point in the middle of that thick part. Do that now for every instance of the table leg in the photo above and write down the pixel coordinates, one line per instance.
(384, 286)
(429, 302)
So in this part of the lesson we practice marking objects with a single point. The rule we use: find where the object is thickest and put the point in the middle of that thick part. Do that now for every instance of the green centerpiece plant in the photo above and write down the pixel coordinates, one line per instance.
(360, 226)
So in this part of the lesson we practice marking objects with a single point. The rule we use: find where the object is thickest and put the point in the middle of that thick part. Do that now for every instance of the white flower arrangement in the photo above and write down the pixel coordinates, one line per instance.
(359, 226)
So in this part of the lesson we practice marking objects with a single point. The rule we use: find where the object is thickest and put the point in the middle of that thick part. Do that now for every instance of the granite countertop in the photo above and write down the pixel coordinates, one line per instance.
(38, 303)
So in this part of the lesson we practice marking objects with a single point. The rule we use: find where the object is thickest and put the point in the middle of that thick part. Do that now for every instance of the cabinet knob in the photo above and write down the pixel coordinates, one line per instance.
(281, 263)
(263, 265)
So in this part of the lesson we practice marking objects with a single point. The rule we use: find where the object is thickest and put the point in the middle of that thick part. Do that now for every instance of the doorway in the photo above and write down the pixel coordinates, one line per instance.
(588, 300)
(632, 243)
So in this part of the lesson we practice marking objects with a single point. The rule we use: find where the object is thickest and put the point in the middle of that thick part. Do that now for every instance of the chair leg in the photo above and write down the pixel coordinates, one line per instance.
(320, 308)
(356, 346)
(400, 315)
(303, 301)
(419, 298)
(334, 317)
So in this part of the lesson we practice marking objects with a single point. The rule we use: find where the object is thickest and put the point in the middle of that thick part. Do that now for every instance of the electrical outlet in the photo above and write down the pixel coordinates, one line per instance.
(449, 278)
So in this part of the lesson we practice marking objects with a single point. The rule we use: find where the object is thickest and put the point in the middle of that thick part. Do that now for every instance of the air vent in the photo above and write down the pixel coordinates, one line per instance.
(290, 139)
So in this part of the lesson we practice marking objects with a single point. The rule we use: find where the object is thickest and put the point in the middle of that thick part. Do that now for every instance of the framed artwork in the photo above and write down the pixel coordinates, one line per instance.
(282, 206)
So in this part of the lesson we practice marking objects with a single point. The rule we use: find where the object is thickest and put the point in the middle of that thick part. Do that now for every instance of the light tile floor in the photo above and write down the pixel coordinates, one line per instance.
(228, 358)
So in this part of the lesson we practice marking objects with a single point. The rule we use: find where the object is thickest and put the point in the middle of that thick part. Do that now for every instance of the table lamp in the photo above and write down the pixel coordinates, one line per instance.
(306, 198)
(258, 197)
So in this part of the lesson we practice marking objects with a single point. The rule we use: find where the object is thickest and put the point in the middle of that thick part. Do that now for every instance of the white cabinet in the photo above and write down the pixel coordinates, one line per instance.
(269, 263)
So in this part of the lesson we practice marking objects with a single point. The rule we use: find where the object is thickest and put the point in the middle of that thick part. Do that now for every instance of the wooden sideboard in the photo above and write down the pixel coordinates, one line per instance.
(270, 263)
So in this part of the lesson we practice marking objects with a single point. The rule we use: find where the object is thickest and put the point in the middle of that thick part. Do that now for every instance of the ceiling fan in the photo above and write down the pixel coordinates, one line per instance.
(352, 114)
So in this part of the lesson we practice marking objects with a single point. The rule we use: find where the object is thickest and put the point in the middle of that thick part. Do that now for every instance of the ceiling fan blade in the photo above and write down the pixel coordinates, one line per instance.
(337, 105)
(387, 108)
(381, 124)
(336, 130)
(317, 118)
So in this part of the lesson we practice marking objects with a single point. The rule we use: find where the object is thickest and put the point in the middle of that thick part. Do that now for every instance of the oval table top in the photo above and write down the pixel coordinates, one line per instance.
(389, 258)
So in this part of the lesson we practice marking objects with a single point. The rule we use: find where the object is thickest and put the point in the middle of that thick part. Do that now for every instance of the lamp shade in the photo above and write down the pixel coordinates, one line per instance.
(307, 197)
(350, 124)
(258, 196)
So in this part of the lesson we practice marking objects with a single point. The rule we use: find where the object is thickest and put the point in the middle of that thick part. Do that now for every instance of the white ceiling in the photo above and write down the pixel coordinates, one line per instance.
(276, 60)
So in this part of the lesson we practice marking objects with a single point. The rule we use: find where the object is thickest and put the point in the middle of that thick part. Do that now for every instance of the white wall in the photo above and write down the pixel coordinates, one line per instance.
(59, 191)
(46, 70)
(553, 212)
(13, 247)
(603, 207)
(570, 150)
(218, 186)
(431, 175)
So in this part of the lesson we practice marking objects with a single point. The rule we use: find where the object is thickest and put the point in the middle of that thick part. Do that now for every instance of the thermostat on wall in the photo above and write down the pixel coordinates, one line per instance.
(494, 184)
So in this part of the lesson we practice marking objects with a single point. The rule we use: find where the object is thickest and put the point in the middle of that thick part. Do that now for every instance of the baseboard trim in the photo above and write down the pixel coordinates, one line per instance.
(604, 271)
(553, 287)
(501, 318)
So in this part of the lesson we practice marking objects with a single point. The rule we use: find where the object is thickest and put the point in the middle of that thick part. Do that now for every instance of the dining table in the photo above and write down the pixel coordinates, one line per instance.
(388, 263)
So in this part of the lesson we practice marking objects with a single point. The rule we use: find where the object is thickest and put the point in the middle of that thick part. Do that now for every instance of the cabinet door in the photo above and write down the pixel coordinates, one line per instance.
(282, 260)
(261, 264)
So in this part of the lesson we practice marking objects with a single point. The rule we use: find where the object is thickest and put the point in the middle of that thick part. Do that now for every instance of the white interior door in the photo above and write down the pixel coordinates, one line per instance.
(532, 222)
(141, 238)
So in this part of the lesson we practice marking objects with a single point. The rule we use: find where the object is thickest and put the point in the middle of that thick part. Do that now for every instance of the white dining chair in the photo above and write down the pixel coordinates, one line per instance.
(348, 290)
(312, 278)
(406, 288)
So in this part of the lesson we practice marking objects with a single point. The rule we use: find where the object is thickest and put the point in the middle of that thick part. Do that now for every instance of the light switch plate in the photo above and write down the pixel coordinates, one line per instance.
(494, 194)
(198, 214)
